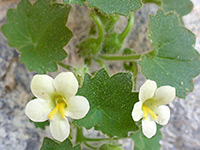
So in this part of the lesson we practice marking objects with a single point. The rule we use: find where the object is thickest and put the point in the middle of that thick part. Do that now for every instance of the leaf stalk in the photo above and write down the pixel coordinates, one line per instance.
(128, 28)
(99, 27)
(131, 57)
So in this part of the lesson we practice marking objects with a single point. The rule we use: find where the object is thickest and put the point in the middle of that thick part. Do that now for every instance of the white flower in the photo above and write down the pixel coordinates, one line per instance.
(151, 106)
(56, 100)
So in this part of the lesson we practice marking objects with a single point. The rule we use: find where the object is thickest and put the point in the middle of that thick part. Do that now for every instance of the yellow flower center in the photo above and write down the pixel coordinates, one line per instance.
(60, 106)
(147, 111)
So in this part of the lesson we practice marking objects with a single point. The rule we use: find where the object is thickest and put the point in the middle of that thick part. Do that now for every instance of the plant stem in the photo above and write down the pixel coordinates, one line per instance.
(81, 139)
(101, 63)
(135, 83)
(120, 57)
(99, 27)
(100, 139)
(88, 145)
(79, 135)
(128, 28)
(65, 66)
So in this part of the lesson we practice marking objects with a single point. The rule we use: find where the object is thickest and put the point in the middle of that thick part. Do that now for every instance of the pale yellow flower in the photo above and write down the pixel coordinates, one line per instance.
(151, 107)
(56, 100)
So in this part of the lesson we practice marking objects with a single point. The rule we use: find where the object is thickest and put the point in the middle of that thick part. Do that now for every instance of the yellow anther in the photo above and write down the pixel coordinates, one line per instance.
(59, 107)
(147, 111)
(145, 115)
(53, 113)
(62, 109)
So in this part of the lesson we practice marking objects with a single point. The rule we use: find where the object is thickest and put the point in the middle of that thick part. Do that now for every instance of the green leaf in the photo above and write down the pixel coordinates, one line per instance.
(111, 103)
(143, 143)
(38, 31)
(116, 6)
(79, 2)
(49, 144)
(110, 147)
(158, 2)
(182, 7)
(174, 61)
(41, 125)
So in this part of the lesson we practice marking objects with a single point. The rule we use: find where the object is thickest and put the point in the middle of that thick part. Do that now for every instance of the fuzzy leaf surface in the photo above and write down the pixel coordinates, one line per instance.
(38, 31)
(174, 61)
(182, 7)
(49, 144)
(143, 143)
(121, 7)
(111, 103)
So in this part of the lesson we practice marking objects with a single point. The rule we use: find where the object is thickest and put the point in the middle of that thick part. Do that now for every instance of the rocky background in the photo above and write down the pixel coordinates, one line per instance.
(17, 133)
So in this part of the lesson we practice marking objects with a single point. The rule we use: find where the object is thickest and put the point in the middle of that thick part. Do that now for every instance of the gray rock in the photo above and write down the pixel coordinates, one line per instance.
(16, 132)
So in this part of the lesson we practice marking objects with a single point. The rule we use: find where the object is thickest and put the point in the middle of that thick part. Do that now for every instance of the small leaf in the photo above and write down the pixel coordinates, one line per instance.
(143, 143)
(182, 7)
(174, 61)
(111, 103)
(116, 6)
(49, 144)
(41, 125)
(39, 32)
(79, 2)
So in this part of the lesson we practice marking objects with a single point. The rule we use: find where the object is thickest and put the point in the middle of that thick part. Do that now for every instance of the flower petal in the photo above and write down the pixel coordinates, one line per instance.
(42, 86)
(66, 84)
(77, 107)
(148, 127)
(163, 113)
(37, 110)
(147, 90)
(164, 95)
(59, 128)
(137, 112)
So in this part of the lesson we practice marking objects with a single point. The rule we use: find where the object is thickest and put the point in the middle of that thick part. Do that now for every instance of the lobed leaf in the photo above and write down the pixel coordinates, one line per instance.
(182, 7)
(174, 61)
(39, 32)
(111, 103)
